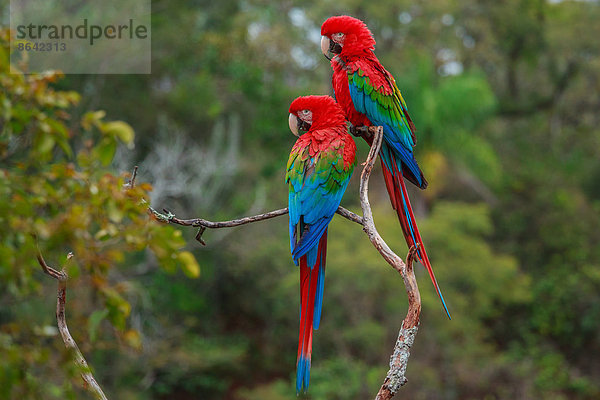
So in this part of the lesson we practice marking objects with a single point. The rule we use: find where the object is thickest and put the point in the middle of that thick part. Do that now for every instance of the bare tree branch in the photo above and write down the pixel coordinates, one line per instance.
(398, 361)
(168, 217)
(396, 376)
(62, 277)
(349, 215)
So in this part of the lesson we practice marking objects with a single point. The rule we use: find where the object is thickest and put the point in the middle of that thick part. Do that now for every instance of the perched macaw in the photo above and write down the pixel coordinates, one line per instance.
(318, 171)
(369, 96)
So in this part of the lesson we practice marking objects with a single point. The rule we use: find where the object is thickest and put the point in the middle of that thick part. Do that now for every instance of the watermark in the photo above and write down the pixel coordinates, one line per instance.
(81, 37)
(83, 31)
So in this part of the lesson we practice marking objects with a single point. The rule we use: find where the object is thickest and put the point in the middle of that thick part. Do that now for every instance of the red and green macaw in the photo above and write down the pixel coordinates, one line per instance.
(369, 96)
(318, 171)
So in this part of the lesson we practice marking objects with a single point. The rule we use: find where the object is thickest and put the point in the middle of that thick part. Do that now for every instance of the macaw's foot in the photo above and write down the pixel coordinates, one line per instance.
(360, 131)
(412, 255)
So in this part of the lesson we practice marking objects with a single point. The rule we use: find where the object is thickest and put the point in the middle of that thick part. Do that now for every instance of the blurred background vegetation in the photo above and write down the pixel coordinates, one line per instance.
(505, 96)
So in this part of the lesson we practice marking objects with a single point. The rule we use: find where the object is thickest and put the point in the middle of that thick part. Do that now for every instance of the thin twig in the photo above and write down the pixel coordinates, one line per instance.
(131, 183)
(58, 275)
(62, 277)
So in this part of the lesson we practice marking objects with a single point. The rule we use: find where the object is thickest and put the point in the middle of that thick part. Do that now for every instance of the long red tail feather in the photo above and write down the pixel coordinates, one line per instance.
(309, 279)
(396, 188)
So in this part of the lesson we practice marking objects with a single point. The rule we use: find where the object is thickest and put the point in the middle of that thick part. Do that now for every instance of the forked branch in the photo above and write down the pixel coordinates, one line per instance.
(396, 376)
(62, 277)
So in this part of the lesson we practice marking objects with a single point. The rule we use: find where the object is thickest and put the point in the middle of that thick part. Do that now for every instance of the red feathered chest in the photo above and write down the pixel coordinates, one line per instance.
(332, 141)
(342, 95)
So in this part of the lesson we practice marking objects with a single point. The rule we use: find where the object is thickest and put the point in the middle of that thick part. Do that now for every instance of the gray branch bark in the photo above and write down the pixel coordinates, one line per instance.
(396, 376)
(168, 217)
(62, 277)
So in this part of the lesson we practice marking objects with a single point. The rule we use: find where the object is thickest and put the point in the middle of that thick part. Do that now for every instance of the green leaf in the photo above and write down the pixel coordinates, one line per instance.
(105, 151)
(190, 266)
(44, 143)
(94, 322)
(64, 145)
(92, 118)
(57, 127)
(118, 308)
(119, 129)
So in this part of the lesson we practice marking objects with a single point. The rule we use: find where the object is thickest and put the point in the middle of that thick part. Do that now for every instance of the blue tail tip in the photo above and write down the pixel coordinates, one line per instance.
(302, 374)
(444, 304)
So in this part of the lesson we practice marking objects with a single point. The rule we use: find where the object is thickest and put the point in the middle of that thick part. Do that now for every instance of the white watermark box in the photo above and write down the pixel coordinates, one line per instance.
(81, 37)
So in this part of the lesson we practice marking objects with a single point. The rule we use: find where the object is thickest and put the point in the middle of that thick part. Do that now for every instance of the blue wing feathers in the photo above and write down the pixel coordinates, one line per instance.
(397, 133)
(316, 200)
(311, 238)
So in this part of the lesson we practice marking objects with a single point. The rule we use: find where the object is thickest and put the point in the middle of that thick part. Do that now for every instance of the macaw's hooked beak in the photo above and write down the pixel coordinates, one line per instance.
(325, 44)
(329, 46)
(294, 122)
(297, 126)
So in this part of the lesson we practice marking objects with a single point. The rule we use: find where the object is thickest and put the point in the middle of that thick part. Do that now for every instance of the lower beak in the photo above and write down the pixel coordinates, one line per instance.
(325, 43)
(293, 121)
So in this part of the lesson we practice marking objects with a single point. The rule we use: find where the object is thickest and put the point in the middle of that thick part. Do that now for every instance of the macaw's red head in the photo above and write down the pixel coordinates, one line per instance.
(314, 112)
(346, 36)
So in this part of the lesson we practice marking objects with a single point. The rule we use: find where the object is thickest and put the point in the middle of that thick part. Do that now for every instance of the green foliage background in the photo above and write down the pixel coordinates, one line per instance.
(505, 99)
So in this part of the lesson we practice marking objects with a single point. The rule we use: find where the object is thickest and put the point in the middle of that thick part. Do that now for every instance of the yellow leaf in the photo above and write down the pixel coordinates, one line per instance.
(190, 266)
(133, 339)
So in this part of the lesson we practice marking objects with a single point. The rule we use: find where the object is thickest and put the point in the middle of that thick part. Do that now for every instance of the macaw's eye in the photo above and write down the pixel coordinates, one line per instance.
(305, 112)
(338, 35)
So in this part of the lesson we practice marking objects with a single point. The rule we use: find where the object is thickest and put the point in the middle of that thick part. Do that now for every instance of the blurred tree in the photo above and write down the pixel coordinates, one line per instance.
(54, 185)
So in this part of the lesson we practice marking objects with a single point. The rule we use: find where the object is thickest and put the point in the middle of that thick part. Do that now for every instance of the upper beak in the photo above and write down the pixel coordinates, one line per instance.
(325, 43)
(293, 121)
